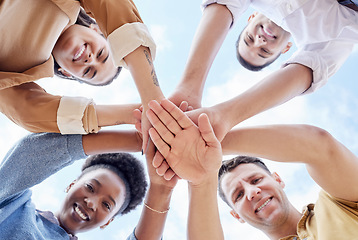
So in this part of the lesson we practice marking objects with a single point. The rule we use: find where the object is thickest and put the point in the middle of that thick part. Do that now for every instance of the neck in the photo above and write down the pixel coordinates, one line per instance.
(289, 227)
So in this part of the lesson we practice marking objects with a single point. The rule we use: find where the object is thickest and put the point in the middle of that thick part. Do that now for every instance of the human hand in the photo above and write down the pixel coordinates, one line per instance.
(217, 120)
(181, 94)
(192, 152)
(156, 179)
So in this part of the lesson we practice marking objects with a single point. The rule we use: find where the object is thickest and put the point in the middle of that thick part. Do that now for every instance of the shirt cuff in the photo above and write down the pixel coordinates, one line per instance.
(314, 62)
(70, 113)
(129, 37)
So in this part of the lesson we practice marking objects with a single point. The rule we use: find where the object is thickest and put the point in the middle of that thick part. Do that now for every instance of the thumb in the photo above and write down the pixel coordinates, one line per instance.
(207, 131)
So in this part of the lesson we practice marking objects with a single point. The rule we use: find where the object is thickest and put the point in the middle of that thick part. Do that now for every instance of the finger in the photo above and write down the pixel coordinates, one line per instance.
(162, 169)
(137, 114)
(177, 114)
(138, 126)
(207, 131)
(184, 106)
(159, 143)
(145, 140)
(165, 117)
(169, 174)
(157, 159)
(190, 108)
(161, 129)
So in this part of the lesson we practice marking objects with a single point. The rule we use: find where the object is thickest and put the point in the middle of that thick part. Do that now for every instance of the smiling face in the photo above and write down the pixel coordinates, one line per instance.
(92, 201)
(262, 41)
(256, 196)
(83, 53)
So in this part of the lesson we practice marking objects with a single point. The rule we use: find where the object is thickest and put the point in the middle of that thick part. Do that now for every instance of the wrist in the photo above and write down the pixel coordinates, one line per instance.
(211, 179)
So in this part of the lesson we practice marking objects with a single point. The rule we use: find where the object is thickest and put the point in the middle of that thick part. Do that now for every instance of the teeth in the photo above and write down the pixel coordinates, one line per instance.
(79, 54)
(263, 205)
(269, 34)
(82, 215)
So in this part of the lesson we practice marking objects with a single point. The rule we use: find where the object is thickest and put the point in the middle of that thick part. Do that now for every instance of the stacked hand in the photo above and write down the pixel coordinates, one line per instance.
(191, 151)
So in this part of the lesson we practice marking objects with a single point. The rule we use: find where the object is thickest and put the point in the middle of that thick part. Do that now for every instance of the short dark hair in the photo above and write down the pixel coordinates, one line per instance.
(125, 166)
(84, 20)
(245, 63)
(228, 165)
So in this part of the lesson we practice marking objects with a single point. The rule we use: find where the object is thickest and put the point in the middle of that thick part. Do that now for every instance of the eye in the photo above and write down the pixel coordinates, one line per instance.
(100, 53)
(107, 205)
(89, 187)
(265, 50)
(239, 196)
(251, 39)
(256, 180)
(87, 71)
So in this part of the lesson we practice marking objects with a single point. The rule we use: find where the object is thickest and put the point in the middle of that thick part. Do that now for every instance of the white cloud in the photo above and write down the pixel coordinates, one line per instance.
(159, 33)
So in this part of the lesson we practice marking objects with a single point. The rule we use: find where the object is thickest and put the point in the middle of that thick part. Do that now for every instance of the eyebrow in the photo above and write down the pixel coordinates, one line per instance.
(100, 185)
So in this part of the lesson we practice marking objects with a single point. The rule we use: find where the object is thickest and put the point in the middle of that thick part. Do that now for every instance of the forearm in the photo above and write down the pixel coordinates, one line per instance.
(282, 143)
(203, 218)
(109, 115)
(111, 142)
(211, 32)
(151, 223)
(272, 91)
(141, 66)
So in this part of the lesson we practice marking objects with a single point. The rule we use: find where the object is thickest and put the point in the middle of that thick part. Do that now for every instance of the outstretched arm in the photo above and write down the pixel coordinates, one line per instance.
(274, 90)
(194, 154)
(157, 201)
(141, 66)
(211, 32)
(329, 163)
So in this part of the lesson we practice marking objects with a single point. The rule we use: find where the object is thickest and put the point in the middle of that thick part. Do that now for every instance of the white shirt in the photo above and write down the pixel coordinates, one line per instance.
(323, 30)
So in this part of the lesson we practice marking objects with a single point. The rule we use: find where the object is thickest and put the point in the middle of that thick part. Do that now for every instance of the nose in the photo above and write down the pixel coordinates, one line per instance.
(89, 58)
(253, 192)
(260, 41)
(91, 203)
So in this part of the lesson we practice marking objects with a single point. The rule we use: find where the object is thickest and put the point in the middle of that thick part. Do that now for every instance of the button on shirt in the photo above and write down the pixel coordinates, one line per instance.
(323, 30)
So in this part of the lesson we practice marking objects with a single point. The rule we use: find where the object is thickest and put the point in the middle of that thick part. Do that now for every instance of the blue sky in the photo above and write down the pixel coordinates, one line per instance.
(333, 107)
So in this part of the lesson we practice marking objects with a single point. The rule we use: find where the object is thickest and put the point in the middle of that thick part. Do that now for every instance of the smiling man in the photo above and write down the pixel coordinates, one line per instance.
(254, 193)
(324, 32)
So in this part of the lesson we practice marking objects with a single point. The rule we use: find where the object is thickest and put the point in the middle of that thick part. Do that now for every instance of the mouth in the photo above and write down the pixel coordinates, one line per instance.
(267, 33)
(79, 53)
(81, 212)
(263, 205)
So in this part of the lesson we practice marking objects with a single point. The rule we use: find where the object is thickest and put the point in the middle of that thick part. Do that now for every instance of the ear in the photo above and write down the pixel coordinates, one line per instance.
(69, 186)
(235, 215)
(96, 28)
(288, 46)
(278, 179)
(252, 16)
(64, 72)
(106, 224)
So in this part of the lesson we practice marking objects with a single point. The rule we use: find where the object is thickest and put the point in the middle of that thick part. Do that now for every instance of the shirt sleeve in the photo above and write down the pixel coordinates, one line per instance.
(236, 7)
(36, 157)
(32, 108)
(122, 25)
(324, 59)
(132, 236)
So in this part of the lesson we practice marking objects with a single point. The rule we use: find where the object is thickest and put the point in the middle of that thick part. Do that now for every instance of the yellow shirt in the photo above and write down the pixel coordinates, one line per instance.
(329, 219)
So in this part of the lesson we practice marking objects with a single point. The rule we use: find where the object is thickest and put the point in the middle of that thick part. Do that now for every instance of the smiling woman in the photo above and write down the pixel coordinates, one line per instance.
(109, 185)
(93, 54)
